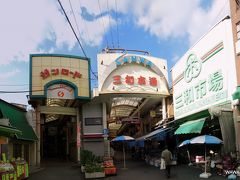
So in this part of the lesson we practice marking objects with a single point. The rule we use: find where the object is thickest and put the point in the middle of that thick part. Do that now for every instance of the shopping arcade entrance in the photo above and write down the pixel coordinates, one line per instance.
(130, 113)
(57, 124)
(59, 86)
(131, 85)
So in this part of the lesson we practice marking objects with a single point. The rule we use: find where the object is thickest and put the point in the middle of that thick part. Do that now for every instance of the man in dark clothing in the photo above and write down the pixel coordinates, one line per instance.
(167, 156)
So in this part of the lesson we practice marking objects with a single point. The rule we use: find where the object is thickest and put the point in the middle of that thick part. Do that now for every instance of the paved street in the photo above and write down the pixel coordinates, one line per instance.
(58, 171)
(139, 170)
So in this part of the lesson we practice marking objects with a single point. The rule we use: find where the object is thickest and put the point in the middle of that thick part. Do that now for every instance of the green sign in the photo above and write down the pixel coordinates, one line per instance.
(193, 68)
(210, 86)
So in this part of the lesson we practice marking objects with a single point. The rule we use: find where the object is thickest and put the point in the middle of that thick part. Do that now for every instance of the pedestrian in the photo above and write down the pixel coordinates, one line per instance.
(167, 156)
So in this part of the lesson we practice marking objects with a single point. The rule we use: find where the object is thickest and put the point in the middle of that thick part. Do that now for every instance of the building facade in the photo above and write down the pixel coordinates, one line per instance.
(20, 139)
(204, 80)
(235, 17)
(59, 87)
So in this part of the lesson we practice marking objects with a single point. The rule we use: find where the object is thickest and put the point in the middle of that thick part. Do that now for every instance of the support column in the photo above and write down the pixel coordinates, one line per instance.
(164, 112)
(236, 117)
(78, 135)
(38, 132)
(105, 129)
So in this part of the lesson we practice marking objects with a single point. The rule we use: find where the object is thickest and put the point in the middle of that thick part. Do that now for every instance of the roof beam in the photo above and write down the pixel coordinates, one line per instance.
(58, 110)
(139, 107)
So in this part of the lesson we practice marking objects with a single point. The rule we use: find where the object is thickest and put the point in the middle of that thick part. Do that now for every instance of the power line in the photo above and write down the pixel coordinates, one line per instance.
(110, 24)
(72, 28)
(24, 91)
(88, 37)
(74, 16)
(104, 29)
(76, 36)
(14, 85)
(117, 23)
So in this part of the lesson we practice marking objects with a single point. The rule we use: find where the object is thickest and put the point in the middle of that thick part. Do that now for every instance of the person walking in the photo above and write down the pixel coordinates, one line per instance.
(167, 156)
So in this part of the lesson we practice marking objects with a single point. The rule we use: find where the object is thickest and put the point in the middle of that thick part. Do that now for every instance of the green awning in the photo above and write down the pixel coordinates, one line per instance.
(27, 131)
(191, 127)
(17, 119)
(236, 94)
(9, 131)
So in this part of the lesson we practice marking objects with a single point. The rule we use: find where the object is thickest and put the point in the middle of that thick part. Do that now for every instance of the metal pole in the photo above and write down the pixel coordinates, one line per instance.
(205, 160)
(38, 130)
(124, 163)
(78, 135)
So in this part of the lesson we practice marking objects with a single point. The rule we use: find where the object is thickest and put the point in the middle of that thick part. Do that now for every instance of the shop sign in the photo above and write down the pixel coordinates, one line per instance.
(105, 132)
(213, 84)
(60, 91)
(131, 80)
(57, 71)
(206, 90)
(133, 59)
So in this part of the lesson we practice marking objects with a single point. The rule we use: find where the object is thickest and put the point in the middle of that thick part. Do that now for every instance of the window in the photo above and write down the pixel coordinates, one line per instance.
(238, 30)
(93, 121)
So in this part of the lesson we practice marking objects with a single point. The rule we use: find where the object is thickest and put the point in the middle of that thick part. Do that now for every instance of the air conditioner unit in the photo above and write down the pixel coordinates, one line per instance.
(237, 47)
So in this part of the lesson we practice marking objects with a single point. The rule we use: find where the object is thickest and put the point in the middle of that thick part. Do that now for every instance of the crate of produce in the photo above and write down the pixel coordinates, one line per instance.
(110, 170)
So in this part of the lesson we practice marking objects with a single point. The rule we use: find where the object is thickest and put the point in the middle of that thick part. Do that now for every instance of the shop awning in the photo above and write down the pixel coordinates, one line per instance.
(158, 134)
(191, 127)
(9, 131)
(17, 119)
(236, 94)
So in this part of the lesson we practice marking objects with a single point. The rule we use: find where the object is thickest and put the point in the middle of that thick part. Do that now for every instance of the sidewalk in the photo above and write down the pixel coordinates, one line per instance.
(138, 170)
(34, 169)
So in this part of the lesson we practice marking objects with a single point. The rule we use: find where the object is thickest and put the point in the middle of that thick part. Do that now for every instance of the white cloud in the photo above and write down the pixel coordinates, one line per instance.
(26, 24)
(174, 18)
(9, 74)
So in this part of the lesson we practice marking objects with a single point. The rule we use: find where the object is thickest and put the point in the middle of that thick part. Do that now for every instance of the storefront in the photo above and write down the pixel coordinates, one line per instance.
(204, 80)
(59, 87)
(130, 86)
(17, 142)
(18, 137)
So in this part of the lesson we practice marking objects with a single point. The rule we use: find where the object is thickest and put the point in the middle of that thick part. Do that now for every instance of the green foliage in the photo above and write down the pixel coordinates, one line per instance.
(93, 167)
(91, 162)
(86, 156)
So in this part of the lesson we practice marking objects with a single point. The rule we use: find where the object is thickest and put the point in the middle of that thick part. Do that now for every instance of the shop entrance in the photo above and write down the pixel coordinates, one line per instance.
(54, 140)
(59, 133)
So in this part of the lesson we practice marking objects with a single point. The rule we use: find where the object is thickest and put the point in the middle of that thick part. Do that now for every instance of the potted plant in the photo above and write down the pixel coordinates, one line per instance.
(85, 156)
(94, 170)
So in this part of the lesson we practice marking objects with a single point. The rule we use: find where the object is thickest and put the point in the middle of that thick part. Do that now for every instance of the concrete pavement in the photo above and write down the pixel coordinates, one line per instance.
(136, 170)
(141, 171)
(57, 171)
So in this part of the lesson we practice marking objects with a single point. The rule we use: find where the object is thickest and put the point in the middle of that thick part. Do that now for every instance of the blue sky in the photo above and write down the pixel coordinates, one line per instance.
(166, 29)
